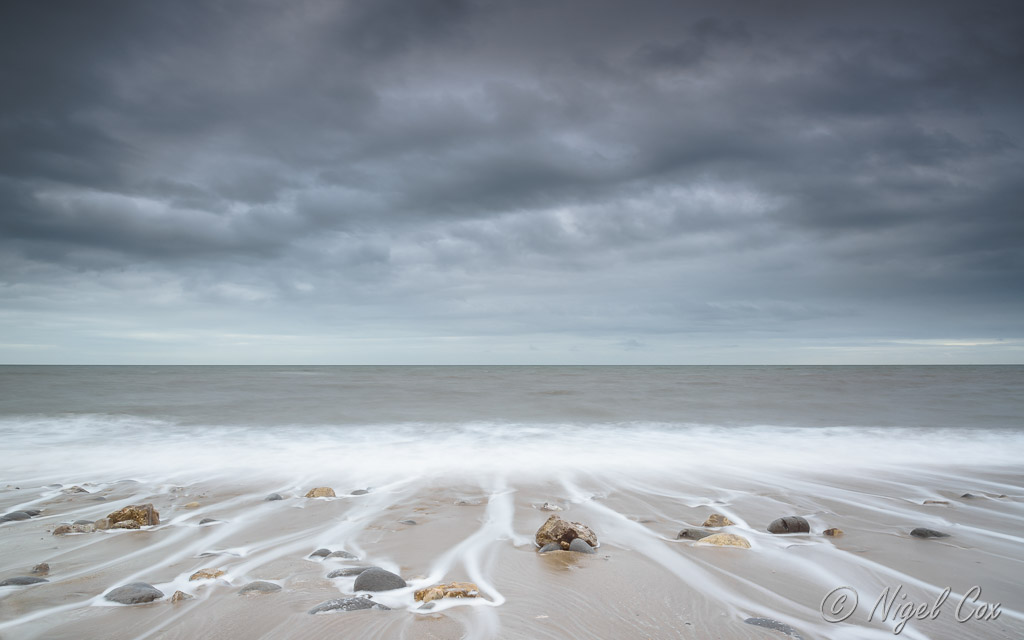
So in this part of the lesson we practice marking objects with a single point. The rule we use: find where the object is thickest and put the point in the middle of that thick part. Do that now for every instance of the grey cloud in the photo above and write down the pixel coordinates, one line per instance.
(506, 168)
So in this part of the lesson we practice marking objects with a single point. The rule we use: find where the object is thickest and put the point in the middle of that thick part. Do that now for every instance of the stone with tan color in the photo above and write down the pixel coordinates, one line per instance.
(717, 520)
(321, 492)
(450, 590)
(144, 514)
(724, 540)
(564, 532)
(206, 574)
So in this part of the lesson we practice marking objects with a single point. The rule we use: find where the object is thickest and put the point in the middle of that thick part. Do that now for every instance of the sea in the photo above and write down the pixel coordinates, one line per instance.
(386, 422)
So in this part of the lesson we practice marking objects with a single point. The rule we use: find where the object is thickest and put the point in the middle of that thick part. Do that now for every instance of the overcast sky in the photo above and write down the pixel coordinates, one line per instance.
(511, 182)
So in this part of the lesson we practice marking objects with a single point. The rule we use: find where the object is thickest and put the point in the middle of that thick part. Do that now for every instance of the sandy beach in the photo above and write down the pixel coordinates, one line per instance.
(643, 582)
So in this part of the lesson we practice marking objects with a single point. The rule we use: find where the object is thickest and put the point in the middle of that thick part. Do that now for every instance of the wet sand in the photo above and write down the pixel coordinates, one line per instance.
(641, 583)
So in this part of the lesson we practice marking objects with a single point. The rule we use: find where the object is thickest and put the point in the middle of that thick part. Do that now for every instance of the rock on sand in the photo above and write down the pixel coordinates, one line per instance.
(134, 593)
(563, 532)
(348, 604)
(377, 579)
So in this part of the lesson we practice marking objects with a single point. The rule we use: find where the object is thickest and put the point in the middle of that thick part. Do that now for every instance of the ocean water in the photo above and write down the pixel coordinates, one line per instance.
(390, 422)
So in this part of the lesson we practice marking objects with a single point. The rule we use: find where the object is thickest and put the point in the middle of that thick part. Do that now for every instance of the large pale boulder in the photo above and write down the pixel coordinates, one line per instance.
(563, 532)
(144, 514)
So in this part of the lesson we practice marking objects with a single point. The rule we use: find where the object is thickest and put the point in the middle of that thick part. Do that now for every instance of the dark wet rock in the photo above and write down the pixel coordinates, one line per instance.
(549, 547)
(73, 489)
(789, 524)
(134, 593)
(348, 572)
(208, 521)
(408, 522)
(348, 604)
(15, 516)
(259, 586)
(377, 579)
(935, 502)
(834, 532)
(968, 496)
(32, 512)
(179, 596)
(360, 492)
(320, 553)
(579, 546)
(321, 492)
(564, 532)
(427, 606)
(344, 555)
(21, 581)
(82, 522)
(922, 532)
(125, 524)
(692, 534)
(98, 498)
(272, 497)
(142, 514)
(717, 520)
(67, 529)
(41, 569)
(774, 625)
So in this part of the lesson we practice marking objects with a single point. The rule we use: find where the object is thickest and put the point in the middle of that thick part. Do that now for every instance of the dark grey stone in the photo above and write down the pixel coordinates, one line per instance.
(693, 534)
(789, 524)
(342, 554)
(348, 572)
(21, 581)
(360, 492)
(551, 546)
(208, 521)
(377, 579)
(348, 604)
(32, 512)
(272, 497)
(134, 593)
(921, 532)
(260, 586)
(407, 522)
(775, 625)
(82, 522)
(320, 553)
(14, 515)
(968, 496)
(579, 546)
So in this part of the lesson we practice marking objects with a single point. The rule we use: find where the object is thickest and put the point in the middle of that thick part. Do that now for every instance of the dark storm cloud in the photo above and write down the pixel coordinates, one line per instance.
(625, 168)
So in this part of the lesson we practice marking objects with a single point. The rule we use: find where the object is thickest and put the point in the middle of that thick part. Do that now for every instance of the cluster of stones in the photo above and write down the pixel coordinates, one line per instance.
(131, 517)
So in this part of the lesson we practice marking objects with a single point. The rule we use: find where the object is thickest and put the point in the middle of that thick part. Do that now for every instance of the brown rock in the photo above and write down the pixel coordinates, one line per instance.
(206, 574)
(74, 489)
(126, 524)
(717, 520)
(181, 595)
(450, 590)
(143, 514)
(833, 532)
(725, 540)
(321, 492)
(41, 569)
(557, 530)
